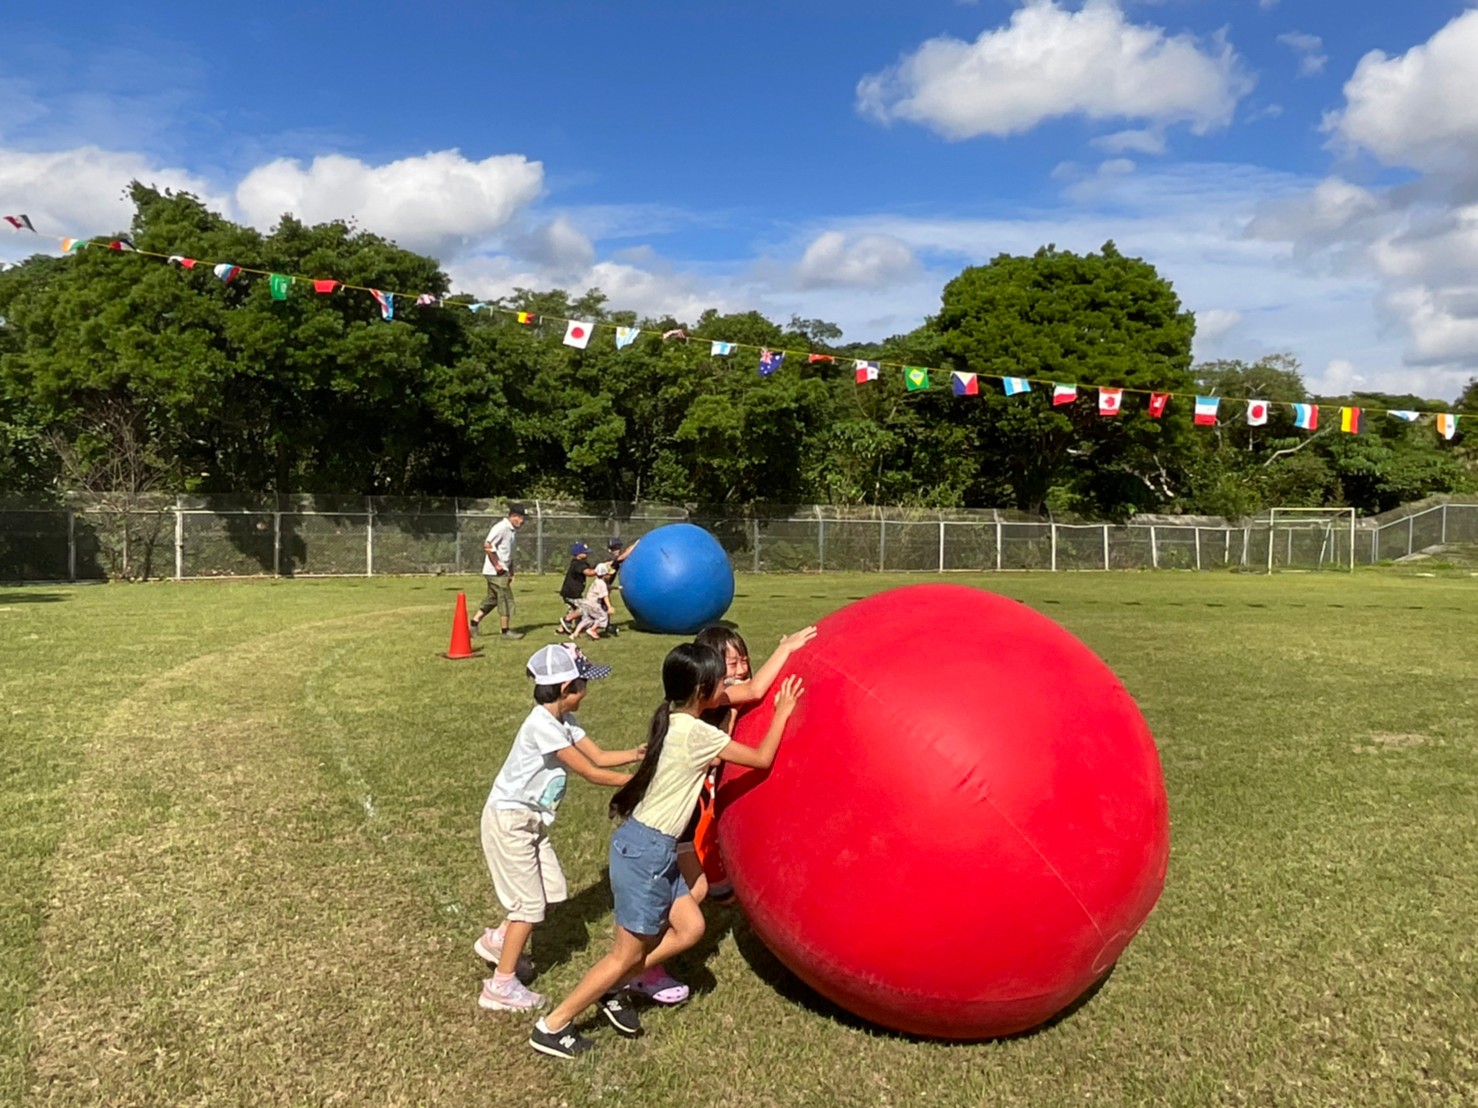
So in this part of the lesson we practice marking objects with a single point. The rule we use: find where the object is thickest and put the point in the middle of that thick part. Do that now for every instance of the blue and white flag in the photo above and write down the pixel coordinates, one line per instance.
(1014, 385)
(719, 349)
(386, 300)
(625, 336)
(1405, 415)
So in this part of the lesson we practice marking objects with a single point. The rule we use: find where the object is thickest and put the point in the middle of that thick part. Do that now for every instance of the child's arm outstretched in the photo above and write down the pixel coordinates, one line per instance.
(756, 687)
(607, 759)
(574, 759)
(762, 756)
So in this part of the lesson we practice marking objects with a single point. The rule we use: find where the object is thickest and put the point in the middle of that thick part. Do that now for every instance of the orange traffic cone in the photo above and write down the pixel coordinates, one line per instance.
(461, 646)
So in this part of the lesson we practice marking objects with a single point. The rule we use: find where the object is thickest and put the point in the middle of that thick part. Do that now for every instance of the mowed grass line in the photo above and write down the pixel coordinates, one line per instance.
(68, 655)
(1313, 945)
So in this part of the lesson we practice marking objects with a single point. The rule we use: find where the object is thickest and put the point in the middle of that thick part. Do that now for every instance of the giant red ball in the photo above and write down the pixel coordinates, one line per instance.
(966, 822)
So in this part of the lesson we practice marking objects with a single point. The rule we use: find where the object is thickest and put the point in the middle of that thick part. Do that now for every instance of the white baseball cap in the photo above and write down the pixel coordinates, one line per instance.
(560, 663)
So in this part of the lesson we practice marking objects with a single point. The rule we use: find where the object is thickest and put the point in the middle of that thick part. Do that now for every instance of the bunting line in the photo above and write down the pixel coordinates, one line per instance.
(578, 333)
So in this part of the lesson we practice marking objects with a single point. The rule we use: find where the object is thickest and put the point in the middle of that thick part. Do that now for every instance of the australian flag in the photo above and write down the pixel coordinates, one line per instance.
(770, 361)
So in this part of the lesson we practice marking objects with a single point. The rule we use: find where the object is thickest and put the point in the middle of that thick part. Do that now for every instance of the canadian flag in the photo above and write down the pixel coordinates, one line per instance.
(1257, 413)
(577, 334)
(1109, 401)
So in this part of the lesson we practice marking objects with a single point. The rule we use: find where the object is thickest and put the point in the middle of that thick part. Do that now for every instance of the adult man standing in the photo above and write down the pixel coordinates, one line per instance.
(497, 569)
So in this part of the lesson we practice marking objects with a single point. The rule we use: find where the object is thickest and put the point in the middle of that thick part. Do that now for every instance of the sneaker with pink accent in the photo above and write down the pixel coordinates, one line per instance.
(490, 948)
(660, 987)
(512, 997)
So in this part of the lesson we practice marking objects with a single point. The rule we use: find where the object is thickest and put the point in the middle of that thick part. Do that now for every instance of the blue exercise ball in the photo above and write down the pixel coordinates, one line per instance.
(678, 580)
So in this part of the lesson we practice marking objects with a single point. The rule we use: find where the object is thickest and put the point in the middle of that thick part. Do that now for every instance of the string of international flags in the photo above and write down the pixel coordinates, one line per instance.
(1206, 411)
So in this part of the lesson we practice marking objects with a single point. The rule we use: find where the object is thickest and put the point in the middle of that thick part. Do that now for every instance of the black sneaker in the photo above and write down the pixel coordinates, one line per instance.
(472, 627)
(567, 1043)
(621, 1015)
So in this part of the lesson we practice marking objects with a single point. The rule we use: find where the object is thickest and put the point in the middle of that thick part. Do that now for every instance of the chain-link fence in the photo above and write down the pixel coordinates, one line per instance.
(218, 536)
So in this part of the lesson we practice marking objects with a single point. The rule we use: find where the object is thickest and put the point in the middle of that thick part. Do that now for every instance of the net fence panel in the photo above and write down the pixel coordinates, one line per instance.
(423, 540)
(235, 544)
(851, 545)
(789, 546)
(1462, 523)
(910, 547)
(970, 546)
(1026, 546)
(1220, 546)
(35, 546)
(1129, 548)
(324, 545)
(1079, 546)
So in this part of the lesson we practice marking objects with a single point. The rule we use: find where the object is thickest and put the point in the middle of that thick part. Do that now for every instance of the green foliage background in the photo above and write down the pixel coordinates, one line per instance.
(116, 370)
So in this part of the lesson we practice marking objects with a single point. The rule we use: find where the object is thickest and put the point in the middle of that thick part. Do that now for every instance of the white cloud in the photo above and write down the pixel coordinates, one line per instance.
(436, 202)
(1214, 323)
(1132, 141)
(78, 193)
(558, 247)
(1050, 62)
(863, 261)
(1310, 51)
(1419, 109)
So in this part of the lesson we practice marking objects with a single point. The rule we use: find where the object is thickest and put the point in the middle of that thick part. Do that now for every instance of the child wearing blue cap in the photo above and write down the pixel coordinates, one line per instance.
(572, 590)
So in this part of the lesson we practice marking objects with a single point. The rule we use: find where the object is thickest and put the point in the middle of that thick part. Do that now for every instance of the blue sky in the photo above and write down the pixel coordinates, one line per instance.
(1304, 172)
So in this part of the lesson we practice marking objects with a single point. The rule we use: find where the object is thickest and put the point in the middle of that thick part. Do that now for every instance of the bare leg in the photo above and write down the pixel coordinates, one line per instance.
(685, 928)
(515, 937)
(624, 961)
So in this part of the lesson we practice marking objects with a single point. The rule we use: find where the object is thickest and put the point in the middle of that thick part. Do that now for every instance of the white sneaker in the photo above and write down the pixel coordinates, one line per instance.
(490, 948)
(512, 997)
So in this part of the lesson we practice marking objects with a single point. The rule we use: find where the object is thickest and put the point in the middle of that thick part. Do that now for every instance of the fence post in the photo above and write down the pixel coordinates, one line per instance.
(276, 537)
(997, 514)
(1052, 533)
(820, 541)
(1105, 547)
(179, 538)
(882, 538)
(71, 545)
(457, 542)
(1198, 547)
(1246, 537)
(754, 531)
(539, 533)
(369, 536)
(1154, 549)
(941, 545)
(1410, 533)
(1444, 525)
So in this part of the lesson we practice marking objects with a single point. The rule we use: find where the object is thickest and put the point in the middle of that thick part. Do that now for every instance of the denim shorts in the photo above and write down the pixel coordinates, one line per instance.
(644, 877)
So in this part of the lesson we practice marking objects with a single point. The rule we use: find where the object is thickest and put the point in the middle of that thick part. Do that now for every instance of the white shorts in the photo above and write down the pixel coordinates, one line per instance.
(526, 874)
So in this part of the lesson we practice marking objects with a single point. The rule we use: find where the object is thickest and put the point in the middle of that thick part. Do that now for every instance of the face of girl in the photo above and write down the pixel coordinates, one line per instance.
(736, 665)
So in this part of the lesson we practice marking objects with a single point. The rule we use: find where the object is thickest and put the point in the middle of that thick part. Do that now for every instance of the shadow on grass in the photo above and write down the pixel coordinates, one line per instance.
(31, 596)
(774, 972)
(566, 930)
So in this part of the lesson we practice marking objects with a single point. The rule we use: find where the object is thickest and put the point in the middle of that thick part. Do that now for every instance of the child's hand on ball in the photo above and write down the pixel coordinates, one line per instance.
(798, 639)
(790, 691)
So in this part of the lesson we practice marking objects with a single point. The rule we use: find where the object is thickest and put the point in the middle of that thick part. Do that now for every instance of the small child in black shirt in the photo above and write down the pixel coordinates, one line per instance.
(572, 591)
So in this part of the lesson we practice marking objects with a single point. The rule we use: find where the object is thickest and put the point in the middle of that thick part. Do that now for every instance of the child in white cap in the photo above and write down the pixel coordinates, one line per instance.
(521, 806)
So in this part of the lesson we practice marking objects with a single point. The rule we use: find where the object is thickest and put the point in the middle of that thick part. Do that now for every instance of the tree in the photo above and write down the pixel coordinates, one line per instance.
(1096, 319)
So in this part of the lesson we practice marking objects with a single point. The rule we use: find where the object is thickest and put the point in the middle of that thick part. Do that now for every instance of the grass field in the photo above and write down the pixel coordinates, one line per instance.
(238, 830)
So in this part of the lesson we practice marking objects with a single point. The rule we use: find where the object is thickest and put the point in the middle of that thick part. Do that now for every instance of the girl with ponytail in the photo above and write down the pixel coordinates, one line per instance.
(656, 915)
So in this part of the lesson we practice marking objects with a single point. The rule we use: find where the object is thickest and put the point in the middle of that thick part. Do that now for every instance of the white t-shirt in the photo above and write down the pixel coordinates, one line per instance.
(532, 776)
(673, 791)
(501, 536)
(597, 592)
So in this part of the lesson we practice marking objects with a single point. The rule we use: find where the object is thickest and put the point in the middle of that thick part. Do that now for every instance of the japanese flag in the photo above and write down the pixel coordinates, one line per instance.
(1257, 413)
(577, 333)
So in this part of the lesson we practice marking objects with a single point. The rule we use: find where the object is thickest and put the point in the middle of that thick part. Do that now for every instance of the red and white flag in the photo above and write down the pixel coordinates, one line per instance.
(1158, 400)
(1064, 394)
(1109, 401)
(1257, 413)
(577, 333)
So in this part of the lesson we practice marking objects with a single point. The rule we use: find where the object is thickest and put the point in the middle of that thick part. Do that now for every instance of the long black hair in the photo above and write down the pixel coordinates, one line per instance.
(688, 671)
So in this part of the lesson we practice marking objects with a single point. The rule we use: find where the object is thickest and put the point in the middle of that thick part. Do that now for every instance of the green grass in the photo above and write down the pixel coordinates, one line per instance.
(238, 831)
